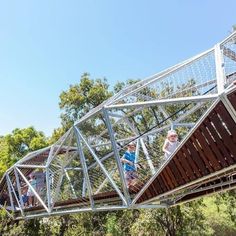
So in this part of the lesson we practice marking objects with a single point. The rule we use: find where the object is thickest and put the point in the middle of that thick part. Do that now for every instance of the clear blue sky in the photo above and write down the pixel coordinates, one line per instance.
(46, 45)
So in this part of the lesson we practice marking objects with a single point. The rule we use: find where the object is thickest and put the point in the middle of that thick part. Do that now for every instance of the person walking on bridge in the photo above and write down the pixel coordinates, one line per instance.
(170, 143)
(129, 164)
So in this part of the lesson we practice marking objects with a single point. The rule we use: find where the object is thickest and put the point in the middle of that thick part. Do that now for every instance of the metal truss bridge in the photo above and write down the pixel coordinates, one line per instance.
(82, 171)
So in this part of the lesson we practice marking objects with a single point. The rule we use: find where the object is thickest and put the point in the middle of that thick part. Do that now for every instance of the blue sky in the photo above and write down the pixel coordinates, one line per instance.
(46, 45)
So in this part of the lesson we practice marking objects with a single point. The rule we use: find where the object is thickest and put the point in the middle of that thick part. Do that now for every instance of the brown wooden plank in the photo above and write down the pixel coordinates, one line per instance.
(229, 122)
(207, 150)
(162, 183)
(142, 198)
(157, 186)
(180, 169)
(213, 146)
(148, 193)
(201, 153)
(145, 196)
(161, 188)
(219, 142)
(175, 171)
(232, 99)
(172, 176)
(186, 167)
(227, 139)
(166, 180)
(190, 161)
(197, 158)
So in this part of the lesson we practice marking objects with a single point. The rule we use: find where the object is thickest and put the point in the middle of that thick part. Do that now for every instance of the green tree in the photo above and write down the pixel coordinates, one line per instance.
(22, 141)
(220, 212)
(13, 147)
(81, 98)
(78, 100)
(5, 161)
(17, 144)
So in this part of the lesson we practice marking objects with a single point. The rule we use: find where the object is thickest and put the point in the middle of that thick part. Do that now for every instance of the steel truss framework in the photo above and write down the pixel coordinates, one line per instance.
(82, 171)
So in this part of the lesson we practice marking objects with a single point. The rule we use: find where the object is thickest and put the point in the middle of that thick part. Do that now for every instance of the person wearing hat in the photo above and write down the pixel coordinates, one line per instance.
(128, 160)
(30, 192)
(170, 143)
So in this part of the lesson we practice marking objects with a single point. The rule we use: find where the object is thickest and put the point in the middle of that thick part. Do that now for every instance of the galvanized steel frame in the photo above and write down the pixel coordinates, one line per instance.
(106, 110)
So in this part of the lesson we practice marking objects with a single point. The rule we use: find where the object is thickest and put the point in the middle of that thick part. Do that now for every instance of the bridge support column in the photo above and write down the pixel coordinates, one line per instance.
(220, 75)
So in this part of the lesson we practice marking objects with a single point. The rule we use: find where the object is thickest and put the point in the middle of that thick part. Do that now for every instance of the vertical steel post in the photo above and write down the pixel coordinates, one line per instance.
(137, 151)
(117, 155)
(19, 188)
(84, 188)
(48, 188)
(220, 75)
(13, 190)
(10, 192)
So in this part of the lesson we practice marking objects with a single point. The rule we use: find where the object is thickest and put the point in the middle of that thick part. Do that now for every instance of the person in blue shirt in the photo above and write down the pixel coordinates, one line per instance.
(128, 160)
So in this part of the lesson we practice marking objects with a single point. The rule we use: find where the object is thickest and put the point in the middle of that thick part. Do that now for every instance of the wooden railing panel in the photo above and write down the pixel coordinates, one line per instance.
(211, 148)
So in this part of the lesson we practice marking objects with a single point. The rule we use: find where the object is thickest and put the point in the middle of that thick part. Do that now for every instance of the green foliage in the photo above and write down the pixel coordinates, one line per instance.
(17, 144)
(120, 85)
(179, 220)
(8, 227)
(22, 141)
(86, 224)
(234, 28)
(57, 133)
(12, 147)
(82, 97)
(111, 226)
(220, 213)
(5, 160)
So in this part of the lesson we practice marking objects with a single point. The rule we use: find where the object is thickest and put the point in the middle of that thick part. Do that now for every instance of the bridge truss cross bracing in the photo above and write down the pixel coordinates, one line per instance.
(82, 171)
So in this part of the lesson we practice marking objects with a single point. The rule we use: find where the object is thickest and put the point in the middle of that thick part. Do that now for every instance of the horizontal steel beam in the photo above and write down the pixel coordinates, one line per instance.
(208, 194)
(30, 166)
(165, 101)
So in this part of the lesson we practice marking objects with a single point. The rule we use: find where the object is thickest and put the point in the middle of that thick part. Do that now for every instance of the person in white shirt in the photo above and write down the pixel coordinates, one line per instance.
(30, 192)
(170, 143)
